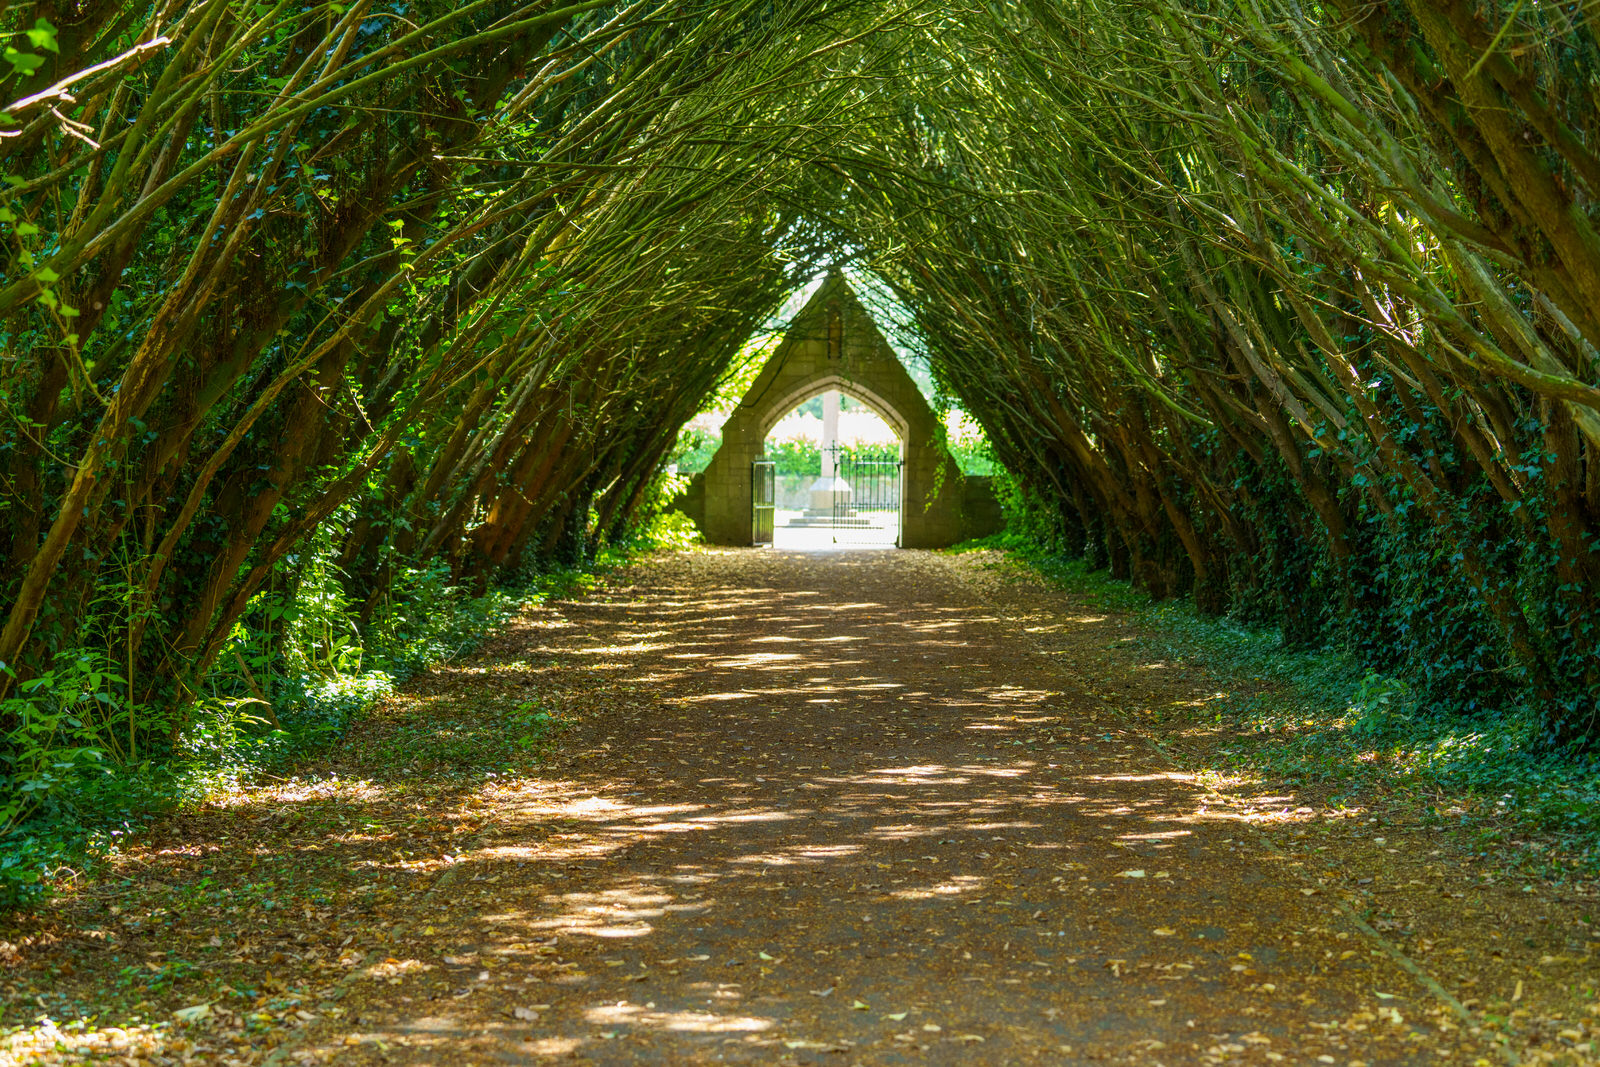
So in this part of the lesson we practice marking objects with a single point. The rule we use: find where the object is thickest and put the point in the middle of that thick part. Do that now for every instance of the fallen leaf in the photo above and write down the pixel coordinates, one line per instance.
(197, 1012)
(969, 1038)
(527, 1014)
(822, 992)
(1164, 931)
(764, 956)
(897, 1016)
(860, 1005)
(1130, 874)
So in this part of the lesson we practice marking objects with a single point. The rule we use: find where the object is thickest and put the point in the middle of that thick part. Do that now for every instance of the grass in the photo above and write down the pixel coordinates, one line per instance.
(1320, 719)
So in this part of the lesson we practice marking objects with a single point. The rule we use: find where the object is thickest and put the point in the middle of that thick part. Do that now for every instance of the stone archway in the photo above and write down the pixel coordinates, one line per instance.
(834, 344)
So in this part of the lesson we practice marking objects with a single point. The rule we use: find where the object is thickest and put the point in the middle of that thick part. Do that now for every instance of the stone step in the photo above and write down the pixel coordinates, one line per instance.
(825, 523)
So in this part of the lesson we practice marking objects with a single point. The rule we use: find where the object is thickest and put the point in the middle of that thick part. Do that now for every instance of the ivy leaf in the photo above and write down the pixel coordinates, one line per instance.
(43, 35)
(23, 62)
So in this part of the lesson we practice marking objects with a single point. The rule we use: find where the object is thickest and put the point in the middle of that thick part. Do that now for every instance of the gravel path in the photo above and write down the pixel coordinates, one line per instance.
(838, 808)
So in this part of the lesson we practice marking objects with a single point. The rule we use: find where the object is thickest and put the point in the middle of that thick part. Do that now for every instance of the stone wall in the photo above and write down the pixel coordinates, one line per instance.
(981, 514)
(692, 501)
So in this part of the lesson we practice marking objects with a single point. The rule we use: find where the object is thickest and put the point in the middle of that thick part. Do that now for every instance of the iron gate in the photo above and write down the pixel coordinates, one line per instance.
(763, 500)
(866, 499)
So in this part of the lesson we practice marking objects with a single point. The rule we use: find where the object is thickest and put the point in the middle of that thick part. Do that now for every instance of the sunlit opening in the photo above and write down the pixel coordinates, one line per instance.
(838, 475)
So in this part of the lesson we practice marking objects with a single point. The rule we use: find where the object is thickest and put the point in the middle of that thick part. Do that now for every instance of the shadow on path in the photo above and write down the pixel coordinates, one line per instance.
(832, 808)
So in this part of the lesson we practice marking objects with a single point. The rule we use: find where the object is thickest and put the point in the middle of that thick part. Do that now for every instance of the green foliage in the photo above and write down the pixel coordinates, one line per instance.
(667, 531)
(530, 725)
(44, 764)
(1322, 718)
(266, 454)
(1032, 523)
(696, 445)
(68, 784)
(42, 36)
(70, 792)
(58, 716)
(796, 456)
(694, 448)
(742, 370)
(799, 457)
(974, 457)
(1216, 323)
(352, 425)
(655, 526)
(425, 618)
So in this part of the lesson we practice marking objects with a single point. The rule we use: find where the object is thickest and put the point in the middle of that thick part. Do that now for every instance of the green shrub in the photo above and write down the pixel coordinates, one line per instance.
(81, 768)
(802, 457)
(70, 779)
(669, 531)
(694, 449)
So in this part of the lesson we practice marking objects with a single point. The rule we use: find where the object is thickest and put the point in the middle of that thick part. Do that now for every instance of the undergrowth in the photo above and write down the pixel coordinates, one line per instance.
(1318, 718)
(82, 765)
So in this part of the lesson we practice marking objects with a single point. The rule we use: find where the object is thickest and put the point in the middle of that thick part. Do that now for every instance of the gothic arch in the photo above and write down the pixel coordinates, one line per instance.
(772, 413)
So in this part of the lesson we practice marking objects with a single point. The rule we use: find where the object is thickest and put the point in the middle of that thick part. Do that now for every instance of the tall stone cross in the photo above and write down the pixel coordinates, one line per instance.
(829, 490)
(830, 432)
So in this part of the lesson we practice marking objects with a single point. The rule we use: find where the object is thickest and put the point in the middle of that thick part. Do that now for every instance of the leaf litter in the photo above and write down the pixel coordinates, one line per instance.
(864, 773)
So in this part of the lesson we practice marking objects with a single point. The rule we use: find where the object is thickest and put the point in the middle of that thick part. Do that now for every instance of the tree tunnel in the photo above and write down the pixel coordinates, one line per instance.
(1293, 311)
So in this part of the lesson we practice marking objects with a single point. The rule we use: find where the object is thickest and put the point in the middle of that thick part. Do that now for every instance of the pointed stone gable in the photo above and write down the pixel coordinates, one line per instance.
(834, 344)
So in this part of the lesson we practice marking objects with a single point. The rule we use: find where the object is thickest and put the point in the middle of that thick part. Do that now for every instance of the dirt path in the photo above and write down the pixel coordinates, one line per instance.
(834, 808)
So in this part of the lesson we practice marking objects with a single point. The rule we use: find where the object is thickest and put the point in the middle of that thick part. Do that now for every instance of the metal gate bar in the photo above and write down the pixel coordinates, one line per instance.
(866, 499)
(763, 501)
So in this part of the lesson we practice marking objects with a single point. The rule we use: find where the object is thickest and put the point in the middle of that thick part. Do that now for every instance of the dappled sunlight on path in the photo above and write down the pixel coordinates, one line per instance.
(834, 804)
